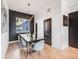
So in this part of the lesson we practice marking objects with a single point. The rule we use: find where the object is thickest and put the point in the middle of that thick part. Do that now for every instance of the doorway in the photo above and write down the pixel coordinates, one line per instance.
(73, 29)
(36, 31)
(47, 31)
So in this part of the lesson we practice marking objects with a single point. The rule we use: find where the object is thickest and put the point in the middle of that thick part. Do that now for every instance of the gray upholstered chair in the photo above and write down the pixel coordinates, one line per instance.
(39, 45)
(23, 42)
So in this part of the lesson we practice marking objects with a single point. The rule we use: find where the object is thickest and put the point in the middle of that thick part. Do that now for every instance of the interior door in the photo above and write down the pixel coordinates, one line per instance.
(47, 31)
(73, 29)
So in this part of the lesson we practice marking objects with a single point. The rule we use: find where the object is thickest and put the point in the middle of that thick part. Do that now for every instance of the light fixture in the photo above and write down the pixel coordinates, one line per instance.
(28, 10)
(27, 5)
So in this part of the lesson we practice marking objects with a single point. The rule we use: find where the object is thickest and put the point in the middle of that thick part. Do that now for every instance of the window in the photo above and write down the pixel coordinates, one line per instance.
(22, 25)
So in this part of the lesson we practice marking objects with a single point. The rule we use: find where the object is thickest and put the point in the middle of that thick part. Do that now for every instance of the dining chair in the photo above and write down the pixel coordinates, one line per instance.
(23, 42)
(38, 46)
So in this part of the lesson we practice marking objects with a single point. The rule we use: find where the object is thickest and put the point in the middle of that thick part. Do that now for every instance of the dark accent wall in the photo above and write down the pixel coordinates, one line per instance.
(12, 23)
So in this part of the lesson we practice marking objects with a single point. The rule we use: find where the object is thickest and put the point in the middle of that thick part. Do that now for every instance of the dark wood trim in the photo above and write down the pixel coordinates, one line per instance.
(36, 25)
(49, 19)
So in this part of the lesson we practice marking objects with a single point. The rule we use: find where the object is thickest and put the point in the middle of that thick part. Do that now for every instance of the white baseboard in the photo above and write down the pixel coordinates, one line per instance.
(62, 48)
(14, 41)
(65, 46)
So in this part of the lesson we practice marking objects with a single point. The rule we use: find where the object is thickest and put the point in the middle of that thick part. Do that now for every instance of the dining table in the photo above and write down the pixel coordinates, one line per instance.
(29, 40)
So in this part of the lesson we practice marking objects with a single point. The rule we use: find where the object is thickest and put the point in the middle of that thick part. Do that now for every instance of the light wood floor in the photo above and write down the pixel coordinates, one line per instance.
(15, 52)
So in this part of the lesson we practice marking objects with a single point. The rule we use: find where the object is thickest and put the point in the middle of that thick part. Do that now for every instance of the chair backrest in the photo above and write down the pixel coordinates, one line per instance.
(18, 37)
(39, 45)
(23, 42)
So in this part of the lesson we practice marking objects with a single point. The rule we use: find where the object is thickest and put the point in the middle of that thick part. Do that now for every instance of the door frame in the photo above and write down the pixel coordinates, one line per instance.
(50, 28)
(36, 30)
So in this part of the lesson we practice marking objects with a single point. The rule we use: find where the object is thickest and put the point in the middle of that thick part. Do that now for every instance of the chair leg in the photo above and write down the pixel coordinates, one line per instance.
(30, 51)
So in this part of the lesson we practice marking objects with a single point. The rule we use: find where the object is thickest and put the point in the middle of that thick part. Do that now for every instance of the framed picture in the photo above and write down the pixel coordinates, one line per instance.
(4, 20)
(65, 20)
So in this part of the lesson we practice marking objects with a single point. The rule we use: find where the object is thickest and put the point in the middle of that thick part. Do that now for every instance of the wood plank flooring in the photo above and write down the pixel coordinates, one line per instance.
(15, 52)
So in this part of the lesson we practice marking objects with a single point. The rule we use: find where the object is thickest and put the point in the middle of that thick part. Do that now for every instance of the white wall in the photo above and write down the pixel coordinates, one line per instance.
(55, 14)
(5, 35)
(73, 8)
(68, 6)
(59, 32)
(65, 11)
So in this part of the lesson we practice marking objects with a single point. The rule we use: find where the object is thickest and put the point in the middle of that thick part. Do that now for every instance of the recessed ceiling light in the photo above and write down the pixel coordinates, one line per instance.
(28, 4)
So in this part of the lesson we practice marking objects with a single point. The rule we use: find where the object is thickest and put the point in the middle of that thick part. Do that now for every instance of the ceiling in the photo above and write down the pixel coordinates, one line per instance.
(71, 2)
(35, 5)
(22, 5)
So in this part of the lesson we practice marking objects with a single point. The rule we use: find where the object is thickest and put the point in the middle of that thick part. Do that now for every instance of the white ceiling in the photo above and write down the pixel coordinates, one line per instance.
(71, 2)
(19, 5)
(35, 7)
